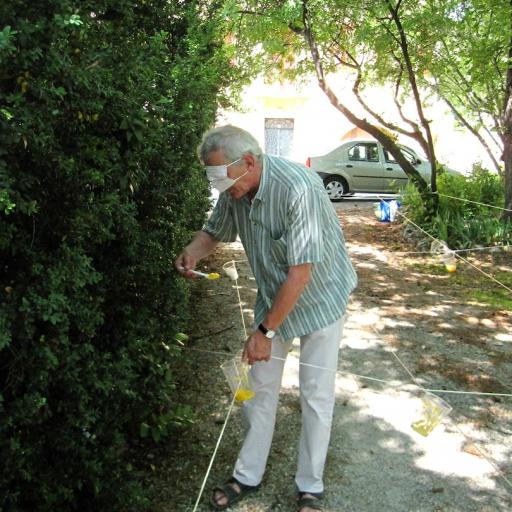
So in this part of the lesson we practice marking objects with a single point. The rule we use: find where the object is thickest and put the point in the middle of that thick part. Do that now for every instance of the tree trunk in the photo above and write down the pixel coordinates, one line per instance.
(507, 159)
(507, 136)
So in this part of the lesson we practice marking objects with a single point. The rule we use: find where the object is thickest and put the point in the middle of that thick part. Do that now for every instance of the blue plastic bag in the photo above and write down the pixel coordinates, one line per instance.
(387, 210)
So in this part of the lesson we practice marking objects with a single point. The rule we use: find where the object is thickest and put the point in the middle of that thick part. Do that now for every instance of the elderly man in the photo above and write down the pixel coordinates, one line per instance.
(296, 250)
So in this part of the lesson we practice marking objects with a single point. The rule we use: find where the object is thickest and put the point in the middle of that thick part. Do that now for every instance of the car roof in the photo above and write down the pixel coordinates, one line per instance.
(374, 141)
(351, 141)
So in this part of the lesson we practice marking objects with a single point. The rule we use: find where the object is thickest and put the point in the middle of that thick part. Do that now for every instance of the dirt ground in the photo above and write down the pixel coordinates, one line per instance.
(410, 325)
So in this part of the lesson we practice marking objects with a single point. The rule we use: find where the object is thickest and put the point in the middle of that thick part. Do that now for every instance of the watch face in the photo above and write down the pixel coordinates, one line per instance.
(269, 333)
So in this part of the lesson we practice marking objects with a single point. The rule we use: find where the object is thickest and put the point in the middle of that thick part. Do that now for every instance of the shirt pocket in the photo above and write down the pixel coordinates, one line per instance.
(278, 251)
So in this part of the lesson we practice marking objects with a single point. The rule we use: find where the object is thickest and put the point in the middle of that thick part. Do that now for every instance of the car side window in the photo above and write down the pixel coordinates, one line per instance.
(354, 153)
(390, 159)
(372, 152)
(364, 152)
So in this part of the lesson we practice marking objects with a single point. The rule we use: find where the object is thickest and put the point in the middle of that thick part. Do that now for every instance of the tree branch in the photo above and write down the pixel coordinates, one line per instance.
(376, 115)
(352, 65)
(410, 122)
(475, 132)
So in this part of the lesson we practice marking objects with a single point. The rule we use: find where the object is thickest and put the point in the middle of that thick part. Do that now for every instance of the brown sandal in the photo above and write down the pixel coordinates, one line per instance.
(314, 503)
(231, 493)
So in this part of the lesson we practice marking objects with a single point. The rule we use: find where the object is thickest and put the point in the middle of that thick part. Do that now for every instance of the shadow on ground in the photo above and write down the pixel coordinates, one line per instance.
(406, 318)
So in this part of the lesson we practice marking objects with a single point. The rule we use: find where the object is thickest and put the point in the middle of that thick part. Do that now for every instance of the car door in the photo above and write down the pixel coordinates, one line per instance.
(364, 165)
(394, 176)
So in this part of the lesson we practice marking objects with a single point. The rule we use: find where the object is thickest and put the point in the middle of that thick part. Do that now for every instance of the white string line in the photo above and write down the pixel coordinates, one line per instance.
(300, 363)
(474, 202)
(230, 407)
(214, 453)
(364, 377)
(240, 303)
(484, 273)
(484, 455)
(491, 247)
(405, 368)
(458, 255)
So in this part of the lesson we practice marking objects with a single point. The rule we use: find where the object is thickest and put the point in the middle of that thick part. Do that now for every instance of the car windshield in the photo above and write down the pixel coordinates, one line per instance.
(407, 152)
(419, 154)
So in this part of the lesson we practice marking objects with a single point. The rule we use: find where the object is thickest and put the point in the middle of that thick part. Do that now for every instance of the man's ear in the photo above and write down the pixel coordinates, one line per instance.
(250, 160)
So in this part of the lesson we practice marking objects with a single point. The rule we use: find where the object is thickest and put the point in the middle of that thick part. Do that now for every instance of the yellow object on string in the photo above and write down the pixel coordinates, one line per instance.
(450, 260)
(244, 394)
(213, 275)
(434, 410)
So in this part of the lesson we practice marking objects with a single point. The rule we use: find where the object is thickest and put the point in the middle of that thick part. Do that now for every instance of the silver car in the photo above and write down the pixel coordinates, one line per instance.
(364, 166)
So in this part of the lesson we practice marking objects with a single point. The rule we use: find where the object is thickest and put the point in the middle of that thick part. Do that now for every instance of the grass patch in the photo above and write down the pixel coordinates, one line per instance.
(432, 269)
(492, 293)
(475, 286)
(499, 299)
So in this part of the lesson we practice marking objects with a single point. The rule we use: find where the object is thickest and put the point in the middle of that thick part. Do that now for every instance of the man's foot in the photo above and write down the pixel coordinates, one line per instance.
(220, 497)
(310, 502)
(229, 493)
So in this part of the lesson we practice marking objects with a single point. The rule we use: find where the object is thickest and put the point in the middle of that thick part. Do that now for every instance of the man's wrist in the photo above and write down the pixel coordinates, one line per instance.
(268, 333)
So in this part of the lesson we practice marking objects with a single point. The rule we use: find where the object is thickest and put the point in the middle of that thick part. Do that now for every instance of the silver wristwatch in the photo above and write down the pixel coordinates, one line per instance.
(269, 333)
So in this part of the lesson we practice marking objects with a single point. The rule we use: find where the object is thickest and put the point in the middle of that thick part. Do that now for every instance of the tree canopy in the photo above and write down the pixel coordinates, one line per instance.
(418, 50)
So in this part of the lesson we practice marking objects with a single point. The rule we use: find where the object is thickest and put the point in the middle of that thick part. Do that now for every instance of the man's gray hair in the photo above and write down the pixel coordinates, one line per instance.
(233, 141)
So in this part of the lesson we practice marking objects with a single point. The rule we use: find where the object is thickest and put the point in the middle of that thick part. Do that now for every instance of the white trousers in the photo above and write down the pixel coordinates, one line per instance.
(317, 394)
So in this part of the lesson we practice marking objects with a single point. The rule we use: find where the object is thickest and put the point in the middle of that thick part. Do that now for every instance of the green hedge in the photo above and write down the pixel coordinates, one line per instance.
(102, 104)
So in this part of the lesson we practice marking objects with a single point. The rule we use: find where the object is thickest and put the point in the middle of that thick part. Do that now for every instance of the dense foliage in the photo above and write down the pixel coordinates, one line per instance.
(102, 103)
(470, 68)
(471, 219)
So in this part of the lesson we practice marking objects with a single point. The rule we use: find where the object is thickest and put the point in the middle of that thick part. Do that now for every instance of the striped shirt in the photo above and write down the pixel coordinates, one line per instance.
(289, 222)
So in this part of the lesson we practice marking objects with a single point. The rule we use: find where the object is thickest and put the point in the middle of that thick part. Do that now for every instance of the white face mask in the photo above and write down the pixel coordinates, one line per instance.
(218, 176)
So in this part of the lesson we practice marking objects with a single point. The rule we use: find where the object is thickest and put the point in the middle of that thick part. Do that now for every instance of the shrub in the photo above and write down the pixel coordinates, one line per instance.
(102, 105)
(464, 223)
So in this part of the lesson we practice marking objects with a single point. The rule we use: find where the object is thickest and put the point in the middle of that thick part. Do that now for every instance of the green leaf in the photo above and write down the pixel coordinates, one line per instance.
(144, 430)
(8, 115)
(181, 336)
(155, 434)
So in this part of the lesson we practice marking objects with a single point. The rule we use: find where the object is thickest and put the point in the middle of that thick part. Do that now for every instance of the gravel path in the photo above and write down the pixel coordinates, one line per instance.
(404, 319)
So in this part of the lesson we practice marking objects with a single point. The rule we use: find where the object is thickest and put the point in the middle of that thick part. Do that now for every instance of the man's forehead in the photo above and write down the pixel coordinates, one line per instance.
(216, 157)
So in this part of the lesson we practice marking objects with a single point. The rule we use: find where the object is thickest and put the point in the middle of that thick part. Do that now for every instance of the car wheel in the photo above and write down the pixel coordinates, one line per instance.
(335, 187)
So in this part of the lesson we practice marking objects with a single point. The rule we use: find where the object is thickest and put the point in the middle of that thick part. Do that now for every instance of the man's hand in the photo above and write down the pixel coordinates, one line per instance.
(184, 263)
(201, 246)
(257, 348)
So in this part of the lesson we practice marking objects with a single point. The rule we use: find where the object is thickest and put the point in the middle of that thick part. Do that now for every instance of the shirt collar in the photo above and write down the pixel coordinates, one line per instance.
(264, 180)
